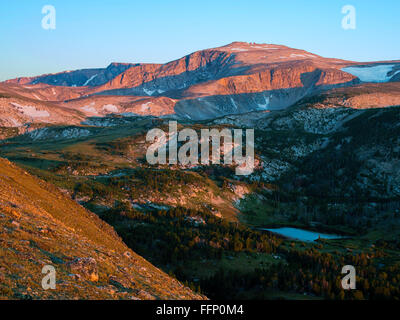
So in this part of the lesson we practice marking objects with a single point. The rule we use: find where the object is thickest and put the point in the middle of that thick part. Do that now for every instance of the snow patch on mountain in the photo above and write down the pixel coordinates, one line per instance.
(372, 73)
(31, 111)
(110, 108)
(90, 108)
(148, 92)
(145, 107)
(234, 103)
(264, 47)
(265, 105)
(239, 49)
(89, 80)
(15, 123)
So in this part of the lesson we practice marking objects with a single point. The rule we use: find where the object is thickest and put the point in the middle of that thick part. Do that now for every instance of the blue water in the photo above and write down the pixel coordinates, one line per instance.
(303, 235)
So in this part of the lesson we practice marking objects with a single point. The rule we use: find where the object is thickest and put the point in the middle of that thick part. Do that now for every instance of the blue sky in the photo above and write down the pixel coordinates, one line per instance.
(94, 33)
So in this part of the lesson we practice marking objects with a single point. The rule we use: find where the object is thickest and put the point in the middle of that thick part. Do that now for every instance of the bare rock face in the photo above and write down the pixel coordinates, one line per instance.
(233, 69)
(233, 79)
(85, 267)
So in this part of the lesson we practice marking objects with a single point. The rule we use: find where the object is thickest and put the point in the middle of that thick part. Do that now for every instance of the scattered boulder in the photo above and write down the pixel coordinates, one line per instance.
(127, 254)
(121, 283)
(85, 267)
(145, 295)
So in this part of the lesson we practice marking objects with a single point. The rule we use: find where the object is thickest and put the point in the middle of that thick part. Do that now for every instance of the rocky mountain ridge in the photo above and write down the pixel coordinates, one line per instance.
(236, 78)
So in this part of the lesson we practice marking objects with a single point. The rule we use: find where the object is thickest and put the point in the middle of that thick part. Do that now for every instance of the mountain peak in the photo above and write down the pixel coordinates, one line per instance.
(241, 46)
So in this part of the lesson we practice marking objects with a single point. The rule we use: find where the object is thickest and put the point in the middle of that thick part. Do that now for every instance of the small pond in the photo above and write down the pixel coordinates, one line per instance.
(300, 234)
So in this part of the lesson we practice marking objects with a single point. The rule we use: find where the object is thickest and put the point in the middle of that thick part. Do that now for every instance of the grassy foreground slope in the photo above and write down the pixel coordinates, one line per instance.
(40, 226)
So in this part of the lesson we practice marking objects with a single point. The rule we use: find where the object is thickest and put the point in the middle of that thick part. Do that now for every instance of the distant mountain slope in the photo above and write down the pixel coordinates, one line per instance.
(237, 78)
(77, 78)
(41, 226)
(20, 111)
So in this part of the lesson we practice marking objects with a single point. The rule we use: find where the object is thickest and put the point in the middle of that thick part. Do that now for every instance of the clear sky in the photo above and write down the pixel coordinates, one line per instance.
(93, 33)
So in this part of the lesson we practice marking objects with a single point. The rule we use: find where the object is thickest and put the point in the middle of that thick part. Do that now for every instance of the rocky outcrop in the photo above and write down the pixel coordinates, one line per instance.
(154, 79)
(85, 268)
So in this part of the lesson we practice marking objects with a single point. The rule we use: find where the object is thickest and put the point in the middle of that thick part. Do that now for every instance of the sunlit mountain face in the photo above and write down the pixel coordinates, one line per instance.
(79, 193)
